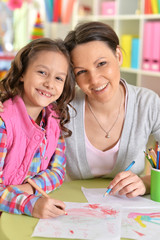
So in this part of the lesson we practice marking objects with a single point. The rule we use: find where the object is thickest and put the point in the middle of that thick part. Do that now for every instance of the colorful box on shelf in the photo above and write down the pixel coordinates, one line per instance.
(152, 7)
(109, 8)
(151, 46)
(130, 46)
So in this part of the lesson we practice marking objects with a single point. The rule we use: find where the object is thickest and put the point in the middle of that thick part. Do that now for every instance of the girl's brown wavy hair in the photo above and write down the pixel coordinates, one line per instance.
(12, 86)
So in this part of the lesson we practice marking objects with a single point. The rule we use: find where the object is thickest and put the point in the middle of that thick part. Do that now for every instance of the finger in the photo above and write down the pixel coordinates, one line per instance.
(125, 185)
(59, 204)
(57, 211)
(57, 207)
(135, 186)
(118, 178)
(134, 193)
(135, 189)
(118, 182)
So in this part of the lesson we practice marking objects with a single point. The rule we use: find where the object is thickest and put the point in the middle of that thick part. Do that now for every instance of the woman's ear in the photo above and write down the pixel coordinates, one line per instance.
(119, 56)
(21, 79)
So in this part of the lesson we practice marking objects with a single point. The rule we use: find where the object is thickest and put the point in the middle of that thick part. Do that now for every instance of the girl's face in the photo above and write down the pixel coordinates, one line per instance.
(96, 69)
(44, 80)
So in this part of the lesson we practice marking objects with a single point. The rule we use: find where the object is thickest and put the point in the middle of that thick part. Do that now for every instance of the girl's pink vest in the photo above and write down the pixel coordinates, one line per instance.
(23, 140)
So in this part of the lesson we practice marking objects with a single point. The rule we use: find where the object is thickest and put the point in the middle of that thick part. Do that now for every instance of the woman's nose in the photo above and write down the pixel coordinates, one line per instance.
(93, 77)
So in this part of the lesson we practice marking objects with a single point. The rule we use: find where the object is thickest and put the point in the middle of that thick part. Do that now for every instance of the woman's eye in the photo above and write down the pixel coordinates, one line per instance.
(101, 64)
(60, 79)
(80, 72)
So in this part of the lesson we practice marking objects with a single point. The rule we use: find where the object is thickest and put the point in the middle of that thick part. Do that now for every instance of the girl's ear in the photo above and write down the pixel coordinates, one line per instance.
(119, 56)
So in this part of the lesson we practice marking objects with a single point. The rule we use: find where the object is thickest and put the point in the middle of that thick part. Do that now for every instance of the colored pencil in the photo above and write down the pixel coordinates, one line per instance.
(33, 184)
(153, 160)
(158, 150)
(127, 169)
(152, 153)
(149, 159)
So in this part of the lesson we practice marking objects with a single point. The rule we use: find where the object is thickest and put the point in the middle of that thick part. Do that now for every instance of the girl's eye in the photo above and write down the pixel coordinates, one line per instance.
(80, 72)
(42, 72)
(101, 64)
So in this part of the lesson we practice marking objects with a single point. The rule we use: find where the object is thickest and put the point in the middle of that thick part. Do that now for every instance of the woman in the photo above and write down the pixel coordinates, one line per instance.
(114, 119)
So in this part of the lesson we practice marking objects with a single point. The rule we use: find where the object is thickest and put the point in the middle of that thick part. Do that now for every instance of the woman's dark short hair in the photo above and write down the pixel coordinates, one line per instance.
(92, 31)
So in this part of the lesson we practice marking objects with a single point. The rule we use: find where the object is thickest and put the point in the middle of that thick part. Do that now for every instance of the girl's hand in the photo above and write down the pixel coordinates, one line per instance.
(127, 183)
(1, 107)
(48, 208)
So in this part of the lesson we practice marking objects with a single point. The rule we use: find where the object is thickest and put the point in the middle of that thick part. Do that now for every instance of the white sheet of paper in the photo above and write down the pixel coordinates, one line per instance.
(96, 195)
(141, 224)
(84, 221)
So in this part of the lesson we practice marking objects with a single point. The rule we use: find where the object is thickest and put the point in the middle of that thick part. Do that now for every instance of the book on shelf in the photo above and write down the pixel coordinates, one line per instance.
(135, 53)
(147, 43)
(49, 9)
(158, 6)
(55, 11)
(152, 7)
(126, 44)
(155, 53)
(151, 46)
(67, 11)
(147, 7)
(59, 10)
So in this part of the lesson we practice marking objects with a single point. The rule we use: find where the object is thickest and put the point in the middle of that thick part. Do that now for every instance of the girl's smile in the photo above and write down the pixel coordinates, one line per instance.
(44, 81)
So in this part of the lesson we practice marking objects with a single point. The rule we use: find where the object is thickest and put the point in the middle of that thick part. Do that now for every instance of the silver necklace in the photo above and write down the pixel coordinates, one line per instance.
(106, 132)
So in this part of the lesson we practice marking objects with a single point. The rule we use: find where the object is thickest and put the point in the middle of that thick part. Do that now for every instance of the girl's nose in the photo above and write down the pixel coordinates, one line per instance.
(49, 83)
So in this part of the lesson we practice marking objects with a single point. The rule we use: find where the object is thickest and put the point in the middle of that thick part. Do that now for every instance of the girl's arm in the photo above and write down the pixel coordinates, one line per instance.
(53, 176)
(20, 199)
(12, 198)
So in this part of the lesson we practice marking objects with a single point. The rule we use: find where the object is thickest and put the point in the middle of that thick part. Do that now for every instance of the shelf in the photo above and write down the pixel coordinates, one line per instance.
(139, 71)
(124, 22)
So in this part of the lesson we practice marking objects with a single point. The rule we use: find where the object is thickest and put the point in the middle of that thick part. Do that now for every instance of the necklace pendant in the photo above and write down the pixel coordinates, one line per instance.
(107, 135)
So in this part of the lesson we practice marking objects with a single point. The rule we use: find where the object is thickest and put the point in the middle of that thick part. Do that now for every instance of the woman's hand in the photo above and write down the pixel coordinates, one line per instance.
(48, 208)
(127, 183)
(1, 107)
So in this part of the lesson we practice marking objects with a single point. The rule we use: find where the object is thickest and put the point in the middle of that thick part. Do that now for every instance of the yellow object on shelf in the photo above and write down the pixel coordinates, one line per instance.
(126, 44)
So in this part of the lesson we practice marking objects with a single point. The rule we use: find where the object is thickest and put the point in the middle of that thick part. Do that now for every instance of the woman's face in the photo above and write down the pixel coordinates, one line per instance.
(96, 69)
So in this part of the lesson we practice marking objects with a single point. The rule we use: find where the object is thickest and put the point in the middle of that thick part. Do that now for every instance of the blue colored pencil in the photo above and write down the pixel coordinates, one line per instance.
(128, 168)
(158, 150)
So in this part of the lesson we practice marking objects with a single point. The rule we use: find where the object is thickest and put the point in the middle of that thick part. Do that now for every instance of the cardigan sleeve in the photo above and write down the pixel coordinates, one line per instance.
(53, 176)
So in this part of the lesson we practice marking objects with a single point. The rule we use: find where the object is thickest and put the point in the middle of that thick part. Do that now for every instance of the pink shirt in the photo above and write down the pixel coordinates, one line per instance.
(102, 162)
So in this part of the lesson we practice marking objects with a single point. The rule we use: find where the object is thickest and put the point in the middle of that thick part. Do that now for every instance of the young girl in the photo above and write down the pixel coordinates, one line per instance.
(36, 91)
